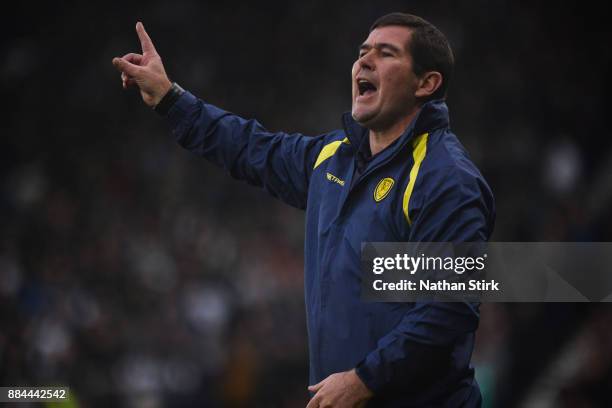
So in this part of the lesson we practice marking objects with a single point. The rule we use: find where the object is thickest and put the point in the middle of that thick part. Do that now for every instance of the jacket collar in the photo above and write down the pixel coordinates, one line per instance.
(432, 115)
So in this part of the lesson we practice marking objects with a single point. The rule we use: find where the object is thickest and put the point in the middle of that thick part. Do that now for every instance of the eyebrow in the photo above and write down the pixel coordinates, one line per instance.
(379, 46)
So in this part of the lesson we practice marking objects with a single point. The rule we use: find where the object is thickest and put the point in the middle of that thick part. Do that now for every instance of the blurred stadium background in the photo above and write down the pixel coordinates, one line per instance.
(141, 276)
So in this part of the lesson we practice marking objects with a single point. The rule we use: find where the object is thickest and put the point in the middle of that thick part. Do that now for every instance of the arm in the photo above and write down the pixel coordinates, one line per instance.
(457, 208)
(278, 162)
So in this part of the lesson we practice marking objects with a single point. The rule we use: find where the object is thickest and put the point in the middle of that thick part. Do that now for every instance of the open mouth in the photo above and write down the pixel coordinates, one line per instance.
(365, 87)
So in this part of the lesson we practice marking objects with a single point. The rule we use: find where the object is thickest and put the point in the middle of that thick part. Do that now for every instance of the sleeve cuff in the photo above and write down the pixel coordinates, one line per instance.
(180, 109)
(368, 376)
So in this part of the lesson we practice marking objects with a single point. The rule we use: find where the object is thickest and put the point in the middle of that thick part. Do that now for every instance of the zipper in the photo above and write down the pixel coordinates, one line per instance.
(372, 165)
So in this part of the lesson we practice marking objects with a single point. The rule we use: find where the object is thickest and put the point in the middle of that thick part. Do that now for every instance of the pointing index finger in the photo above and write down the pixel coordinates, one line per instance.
(145, 40)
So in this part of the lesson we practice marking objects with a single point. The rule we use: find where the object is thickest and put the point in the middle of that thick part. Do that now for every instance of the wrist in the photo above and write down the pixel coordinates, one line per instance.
(172, 94)
(164, 89)
(363, 390)
(367, 378)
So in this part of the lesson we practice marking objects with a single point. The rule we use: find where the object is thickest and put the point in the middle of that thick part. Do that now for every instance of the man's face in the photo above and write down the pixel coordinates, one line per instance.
(383, 80)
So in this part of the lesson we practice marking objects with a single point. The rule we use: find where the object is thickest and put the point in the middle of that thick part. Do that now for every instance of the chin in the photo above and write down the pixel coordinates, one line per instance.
(363, 118)
(366, 120)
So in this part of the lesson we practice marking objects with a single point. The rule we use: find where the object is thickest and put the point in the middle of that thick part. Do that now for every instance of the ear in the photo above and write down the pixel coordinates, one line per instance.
(428, 84)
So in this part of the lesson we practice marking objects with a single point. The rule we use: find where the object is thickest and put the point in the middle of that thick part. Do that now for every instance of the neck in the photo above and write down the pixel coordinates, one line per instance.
(381, 138)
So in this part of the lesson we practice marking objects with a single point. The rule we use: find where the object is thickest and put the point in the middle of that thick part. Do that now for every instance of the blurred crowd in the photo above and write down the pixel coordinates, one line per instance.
(141, 276)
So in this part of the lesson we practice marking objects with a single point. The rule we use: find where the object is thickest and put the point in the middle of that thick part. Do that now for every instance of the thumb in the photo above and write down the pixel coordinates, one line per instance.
(125, 66)
(316, 387)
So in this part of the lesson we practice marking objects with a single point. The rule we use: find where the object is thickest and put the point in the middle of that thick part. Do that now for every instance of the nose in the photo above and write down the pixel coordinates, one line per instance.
(366, 61)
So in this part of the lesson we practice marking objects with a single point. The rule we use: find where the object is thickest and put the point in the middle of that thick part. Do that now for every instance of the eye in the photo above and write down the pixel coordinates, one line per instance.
(386, 54)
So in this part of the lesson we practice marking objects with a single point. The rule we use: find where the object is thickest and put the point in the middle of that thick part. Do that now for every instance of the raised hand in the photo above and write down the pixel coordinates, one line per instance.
(145, 70)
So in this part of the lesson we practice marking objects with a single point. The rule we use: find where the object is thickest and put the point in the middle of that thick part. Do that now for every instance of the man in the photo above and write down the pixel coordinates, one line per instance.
(395, 172)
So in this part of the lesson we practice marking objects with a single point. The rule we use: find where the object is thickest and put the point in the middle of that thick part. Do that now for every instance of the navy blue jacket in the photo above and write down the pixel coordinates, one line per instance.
(423, 187)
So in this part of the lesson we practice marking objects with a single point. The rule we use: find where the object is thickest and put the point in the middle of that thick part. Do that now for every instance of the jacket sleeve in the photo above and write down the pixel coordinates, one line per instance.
(457, 207)
(278, 162)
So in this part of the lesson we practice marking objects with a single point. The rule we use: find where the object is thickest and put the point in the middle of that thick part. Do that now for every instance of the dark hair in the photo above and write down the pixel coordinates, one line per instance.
(429, 48)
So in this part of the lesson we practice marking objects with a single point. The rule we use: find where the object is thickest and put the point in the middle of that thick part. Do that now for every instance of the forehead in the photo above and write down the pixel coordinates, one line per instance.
(394, 35)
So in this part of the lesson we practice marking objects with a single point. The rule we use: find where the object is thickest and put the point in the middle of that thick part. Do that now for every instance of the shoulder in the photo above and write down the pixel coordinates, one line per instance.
(334, 137)
(451, 200)
(447, 167)
(329, 144)
(446, 153)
